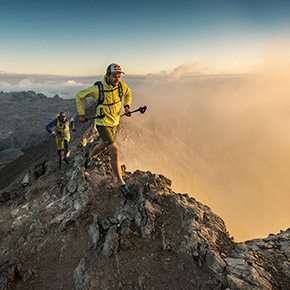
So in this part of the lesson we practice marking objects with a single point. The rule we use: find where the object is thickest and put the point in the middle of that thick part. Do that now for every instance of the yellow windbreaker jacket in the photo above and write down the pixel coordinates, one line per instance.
(111, 112)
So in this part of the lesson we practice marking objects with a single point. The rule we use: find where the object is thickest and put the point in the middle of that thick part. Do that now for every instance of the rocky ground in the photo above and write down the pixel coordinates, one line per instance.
(7, 156)
(71, 229)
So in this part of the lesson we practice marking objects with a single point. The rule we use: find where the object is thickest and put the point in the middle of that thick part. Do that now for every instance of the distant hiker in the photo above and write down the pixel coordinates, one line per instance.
(60, 128)
(108, 94)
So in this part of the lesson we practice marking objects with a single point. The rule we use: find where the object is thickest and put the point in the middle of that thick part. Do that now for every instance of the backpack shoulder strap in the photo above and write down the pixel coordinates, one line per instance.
(101, 91)
(100, 86)
(120, 90)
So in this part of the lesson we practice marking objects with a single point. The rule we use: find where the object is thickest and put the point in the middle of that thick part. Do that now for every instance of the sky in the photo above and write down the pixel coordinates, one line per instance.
(82, 37)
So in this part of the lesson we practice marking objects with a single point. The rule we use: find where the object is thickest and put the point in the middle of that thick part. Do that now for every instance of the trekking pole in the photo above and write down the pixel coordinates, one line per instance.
(95, 117)
(101, 116)
(142, 110)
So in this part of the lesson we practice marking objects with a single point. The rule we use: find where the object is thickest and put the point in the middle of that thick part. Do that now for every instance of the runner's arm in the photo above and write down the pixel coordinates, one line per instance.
(127, 96)
(82, 95)
(50, 126)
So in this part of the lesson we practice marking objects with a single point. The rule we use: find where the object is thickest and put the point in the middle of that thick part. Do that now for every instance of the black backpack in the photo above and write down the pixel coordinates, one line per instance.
(102, 91)
(101, 97)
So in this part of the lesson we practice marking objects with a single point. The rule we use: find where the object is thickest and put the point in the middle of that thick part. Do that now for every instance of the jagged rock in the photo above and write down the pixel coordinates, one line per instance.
(20, 242)
(56, 97)
(286, 268)
(28, 275)
(78, 162)
(105, 223)
(36, 227)
(71, 217)
(215, 262)
(237, 266)
(285, 248)
(241, 269)
(25, 180)
(238, 284)
(72, 186)
(111, 243)
(94, 231)
(148, 213)
(195, 247)
(18, 222)
(125, 227)
(40, 169)
(82, 278)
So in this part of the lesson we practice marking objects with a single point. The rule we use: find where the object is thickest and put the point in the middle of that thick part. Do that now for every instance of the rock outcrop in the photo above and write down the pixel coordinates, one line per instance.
(72, 229)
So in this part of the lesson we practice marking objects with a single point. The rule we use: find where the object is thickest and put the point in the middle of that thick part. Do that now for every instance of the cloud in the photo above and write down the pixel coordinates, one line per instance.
(183, 69)
(72, 83)
(26, 83)
(49, 85)
(4, 85)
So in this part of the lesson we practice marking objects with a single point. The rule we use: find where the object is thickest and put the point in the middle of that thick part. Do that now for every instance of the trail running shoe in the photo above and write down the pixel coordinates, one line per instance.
(125, 191)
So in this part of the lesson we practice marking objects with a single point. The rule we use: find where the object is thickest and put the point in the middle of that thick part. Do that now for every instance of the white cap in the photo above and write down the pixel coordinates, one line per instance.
(114, 69)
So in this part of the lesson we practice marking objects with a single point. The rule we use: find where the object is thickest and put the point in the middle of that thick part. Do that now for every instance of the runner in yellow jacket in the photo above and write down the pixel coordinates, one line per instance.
(108, 95)
(60, 129)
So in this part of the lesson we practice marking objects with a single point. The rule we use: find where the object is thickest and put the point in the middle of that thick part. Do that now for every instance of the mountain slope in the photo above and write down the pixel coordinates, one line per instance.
(70, 229)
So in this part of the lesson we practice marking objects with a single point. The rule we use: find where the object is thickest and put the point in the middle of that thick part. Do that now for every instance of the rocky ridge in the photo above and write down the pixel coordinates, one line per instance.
(71, 229)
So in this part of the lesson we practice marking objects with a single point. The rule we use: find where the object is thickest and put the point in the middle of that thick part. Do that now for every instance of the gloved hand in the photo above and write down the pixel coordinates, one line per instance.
(53, 134)
(83, 118)
(127, 111)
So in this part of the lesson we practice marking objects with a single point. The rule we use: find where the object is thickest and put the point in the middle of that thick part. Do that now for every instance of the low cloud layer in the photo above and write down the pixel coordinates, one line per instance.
(66, 87)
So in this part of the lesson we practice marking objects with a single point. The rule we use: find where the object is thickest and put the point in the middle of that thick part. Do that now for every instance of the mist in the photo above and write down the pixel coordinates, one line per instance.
(223, 139)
